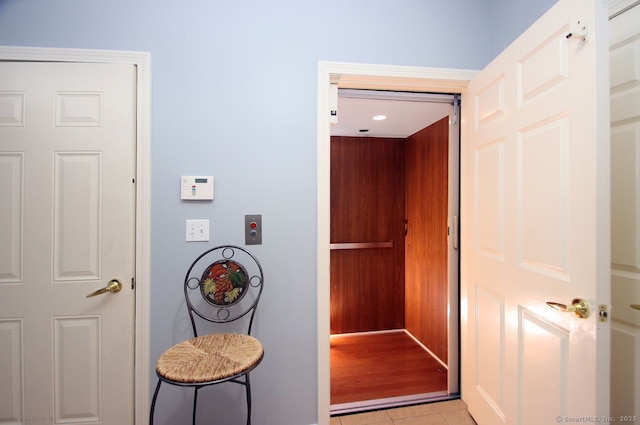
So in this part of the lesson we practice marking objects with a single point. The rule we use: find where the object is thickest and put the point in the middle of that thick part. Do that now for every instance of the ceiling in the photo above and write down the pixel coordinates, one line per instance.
(406, 113)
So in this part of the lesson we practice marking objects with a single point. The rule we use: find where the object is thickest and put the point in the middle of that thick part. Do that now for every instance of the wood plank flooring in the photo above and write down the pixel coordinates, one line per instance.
(381, 365)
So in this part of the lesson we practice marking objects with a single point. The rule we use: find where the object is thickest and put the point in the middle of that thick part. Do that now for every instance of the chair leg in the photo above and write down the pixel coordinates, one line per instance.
(248, 389)
(195, 406)
(153, 402)
(195, 401)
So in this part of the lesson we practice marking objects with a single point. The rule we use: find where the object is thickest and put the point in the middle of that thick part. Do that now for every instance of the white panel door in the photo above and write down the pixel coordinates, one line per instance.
(625, 215)
(67, 143)
(535, 209)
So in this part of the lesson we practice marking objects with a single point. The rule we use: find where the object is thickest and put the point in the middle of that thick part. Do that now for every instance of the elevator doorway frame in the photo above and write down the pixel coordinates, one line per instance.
(373, 77)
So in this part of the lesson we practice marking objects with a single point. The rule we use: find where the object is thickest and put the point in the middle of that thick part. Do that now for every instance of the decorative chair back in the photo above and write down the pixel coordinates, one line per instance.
(223, 285)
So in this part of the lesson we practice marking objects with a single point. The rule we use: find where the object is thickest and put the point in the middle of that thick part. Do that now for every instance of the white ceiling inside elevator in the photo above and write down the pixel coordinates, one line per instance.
(406, 113)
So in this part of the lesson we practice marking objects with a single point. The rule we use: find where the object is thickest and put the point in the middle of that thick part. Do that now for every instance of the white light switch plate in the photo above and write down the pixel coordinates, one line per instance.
(197, 231)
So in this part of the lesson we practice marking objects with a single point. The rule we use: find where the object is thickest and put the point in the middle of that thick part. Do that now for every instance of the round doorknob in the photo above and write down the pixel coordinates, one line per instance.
(578, 306)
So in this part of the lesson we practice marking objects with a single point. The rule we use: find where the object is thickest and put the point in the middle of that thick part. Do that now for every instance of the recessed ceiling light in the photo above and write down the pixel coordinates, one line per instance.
(379, 117)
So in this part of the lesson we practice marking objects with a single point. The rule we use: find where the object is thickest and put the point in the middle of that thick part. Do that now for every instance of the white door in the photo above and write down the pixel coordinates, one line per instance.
(625, 215)
(67, 144)
(535, 211)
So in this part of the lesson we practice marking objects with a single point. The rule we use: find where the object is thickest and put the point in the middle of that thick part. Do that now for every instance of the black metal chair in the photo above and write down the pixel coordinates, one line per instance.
(222, 285)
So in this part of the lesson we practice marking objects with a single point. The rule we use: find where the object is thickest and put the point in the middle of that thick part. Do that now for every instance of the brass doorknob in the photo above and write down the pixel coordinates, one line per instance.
(114, 286)
(578, 306)
(636, 306)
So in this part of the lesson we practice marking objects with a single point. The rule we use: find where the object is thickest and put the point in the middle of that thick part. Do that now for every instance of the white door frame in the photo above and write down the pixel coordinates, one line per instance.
(142, 62)
(357, 76)
(617, 7)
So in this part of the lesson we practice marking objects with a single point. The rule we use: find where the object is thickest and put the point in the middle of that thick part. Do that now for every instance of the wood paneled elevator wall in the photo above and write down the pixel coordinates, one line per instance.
(426, 249)
(367, 205)
(377, 184)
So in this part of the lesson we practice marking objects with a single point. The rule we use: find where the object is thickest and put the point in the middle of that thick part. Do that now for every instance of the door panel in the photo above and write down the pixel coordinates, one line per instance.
(76, 363)
(535, 178)
(67, 143)
(625, 213)
(76, 211)
(11, 170)
(367, 205)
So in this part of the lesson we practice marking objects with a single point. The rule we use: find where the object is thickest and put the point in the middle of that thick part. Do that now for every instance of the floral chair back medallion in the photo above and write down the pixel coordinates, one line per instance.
(224, 282)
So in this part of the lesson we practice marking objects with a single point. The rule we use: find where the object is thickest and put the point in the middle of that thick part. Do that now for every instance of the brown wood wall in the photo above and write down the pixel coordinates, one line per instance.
(426, 241)
(367, 205)
(375, 184)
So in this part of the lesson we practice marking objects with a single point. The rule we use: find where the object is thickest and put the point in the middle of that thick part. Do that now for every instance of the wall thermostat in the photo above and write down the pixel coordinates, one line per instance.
(196, 187)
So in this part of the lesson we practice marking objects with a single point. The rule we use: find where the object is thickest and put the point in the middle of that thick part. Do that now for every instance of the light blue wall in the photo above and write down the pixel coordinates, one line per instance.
(234, 95)
(509, 18)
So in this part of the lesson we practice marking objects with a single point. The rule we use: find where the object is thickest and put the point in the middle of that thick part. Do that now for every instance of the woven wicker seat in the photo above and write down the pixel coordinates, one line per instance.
(222, 285)
(210, 358)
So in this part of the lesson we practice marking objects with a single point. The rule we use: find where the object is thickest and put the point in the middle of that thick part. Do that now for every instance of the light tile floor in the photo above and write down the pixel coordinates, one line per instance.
(452, 412)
